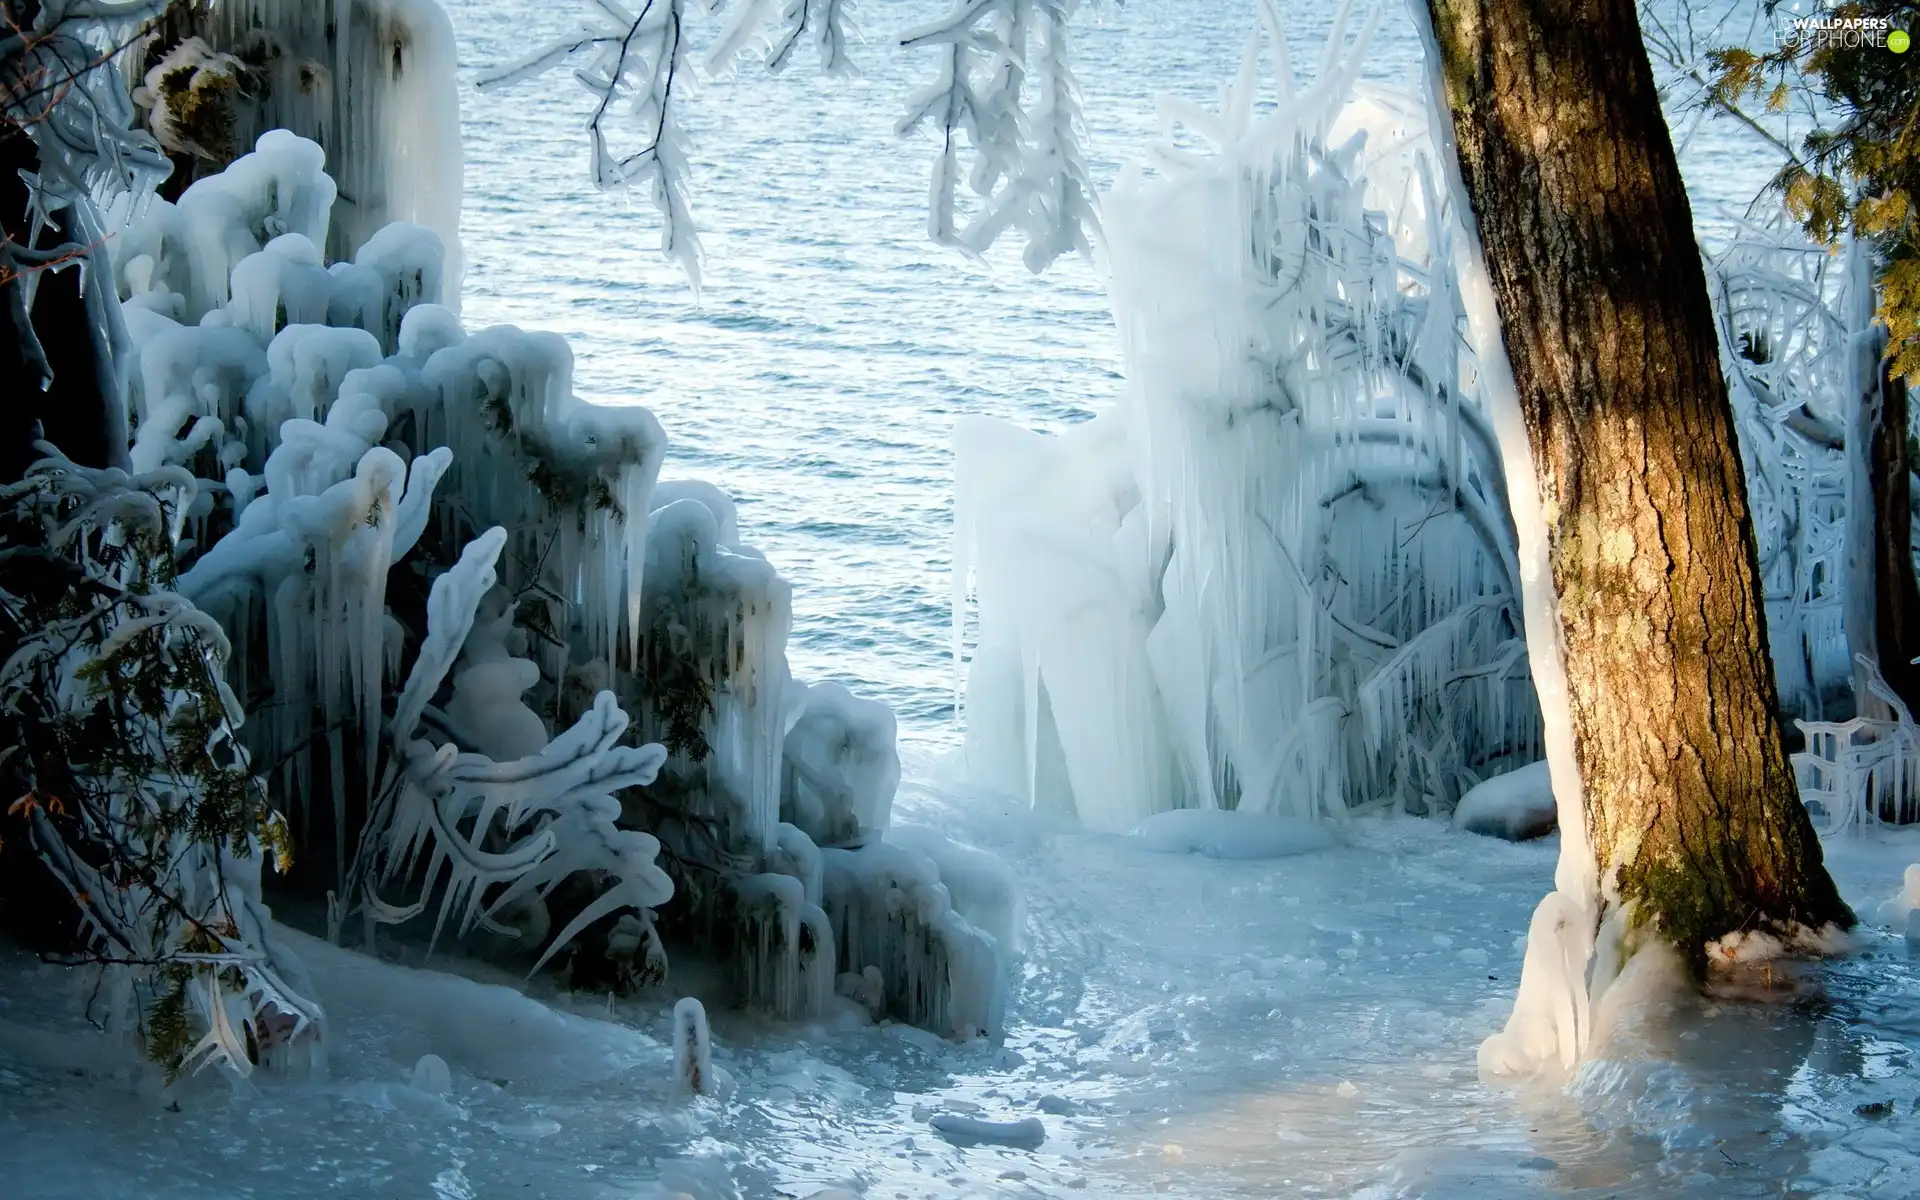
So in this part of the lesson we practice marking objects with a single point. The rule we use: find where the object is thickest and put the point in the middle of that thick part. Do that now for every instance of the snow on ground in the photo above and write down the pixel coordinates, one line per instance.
(1225, 833)
(1181, 1025)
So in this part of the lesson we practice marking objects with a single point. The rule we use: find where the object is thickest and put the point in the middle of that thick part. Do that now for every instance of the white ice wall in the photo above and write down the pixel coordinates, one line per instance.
(1280, 575)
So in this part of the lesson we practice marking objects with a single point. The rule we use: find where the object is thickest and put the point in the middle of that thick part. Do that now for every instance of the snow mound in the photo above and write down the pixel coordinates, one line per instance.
(1906, 901)
(1517, 806)
(483, 1030)
(1225, 833)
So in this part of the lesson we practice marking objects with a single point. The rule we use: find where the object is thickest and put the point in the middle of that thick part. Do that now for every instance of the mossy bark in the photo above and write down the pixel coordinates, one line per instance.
(1691, 804)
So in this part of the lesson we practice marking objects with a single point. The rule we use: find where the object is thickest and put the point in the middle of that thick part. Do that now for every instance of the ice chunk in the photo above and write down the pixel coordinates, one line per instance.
(890, 911)
(409, 262)
(725, 513)
(487, 688)
(306, 365)
(981, 885)
(280, 285)
(431, 1076)
(714, 624)
(1027, 1133)
(191, 248)
(1551, 1023)
(576, 502)
(186, 378)
(784, 947)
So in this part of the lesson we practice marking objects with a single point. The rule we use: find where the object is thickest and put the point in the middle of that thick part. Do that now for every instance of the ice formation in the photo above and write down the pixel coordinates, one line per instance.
(1781, 310)
(1516, 806)
(371, 79)
(383, 488)
(1027, 1133)
(430, 1075)
(1864, 769)
(1280, 576)
(890, 912)
(693, 1048)
(841, 768)
(1550, 1024)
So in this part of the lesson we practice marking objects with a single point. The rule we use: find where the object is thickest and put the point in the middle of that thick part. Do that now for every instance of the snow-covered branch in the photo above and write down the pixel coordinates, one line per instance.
(1005, 93)
(1006, 85)
(637, 63)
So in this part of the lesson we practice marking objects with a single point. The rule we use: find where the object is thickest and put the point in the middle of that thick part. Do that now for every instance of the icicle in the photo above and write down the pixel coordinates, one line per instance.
(1308, 505)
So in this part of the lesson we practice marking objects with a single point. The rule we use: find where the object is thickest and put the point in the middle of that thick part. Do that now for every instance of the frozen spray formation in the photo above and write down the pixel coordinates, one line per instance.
(1280, 576)
(503, 671)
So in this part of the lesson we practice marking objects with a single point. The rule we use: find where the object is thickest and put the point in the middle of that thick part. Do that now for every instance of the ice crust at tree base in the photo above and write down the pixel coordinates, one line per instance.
(1518, 806)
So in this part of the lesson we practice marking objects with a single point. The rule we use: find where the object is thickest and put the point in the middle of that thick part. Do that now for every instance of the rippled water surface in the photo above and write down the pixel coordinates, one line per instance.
(818, 375)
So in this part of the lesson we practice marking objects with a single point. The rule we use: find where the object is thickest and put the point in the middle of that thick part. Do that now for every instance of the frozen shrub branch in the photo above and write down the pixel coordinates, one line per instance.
(138, 795)
(632, 61)
(1006, 84)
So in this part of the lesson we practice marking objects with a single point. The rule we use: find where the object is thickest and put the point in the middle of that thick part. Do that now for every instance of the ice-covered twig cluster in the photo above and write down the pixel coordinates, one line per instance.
(1280, 576)
(1005, 91)
(1006, 83)
(59, 84)
(637, 65)
(526, 825)
(1792, 329)
(1865, 769)
(1785, 354)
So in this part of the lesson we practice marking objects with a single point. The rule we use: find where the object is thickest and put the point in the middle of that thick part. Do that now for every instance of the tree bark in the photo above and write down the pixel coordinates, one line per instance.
(1691, 805)
(1896, 598)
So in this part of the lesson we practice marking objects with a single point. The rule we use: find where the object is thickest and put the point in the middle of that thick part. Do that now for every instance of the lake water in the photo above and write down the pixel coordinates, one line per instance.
(818, 375)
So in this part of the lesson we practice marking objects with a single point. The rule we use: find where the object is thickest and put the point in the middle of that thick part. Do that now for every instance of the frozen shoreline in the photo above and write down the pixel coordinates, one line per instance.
(1180, 1025)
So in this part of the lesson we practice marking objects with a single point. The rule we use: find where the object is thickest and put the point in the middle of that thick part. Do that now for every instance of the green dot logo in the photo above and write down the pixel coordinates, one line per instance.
(1898, 41)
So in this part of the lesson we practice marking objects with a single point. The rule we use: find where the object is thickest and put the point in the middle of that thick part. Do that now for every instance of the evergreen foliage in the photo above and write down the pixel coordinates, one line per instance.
(122, 748)
(1857, 172)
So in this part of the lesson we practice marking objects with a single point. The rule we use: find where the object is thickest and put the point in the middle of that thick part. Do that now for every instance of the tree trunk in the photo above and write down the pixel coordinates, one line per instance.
(1691, 806)
(1896, 599)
